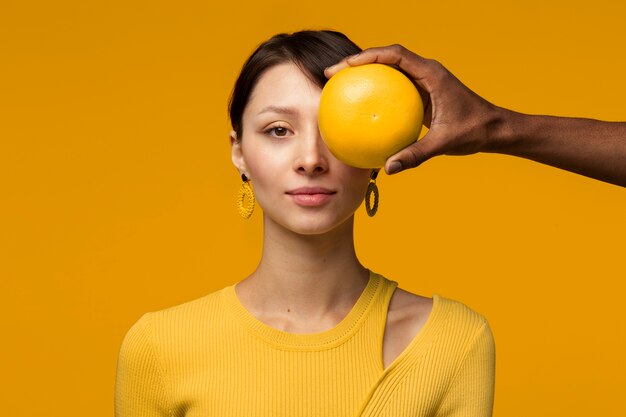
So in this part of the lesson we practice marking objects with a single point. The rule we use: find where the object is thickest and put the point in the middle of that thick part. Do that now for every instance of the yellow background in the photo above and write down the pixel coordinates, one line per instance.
(117, 191)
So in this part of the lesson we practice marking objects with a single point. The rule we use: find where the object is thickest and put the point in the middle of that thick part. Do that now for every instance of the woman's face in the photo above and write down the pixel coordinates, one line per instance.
(297, 181)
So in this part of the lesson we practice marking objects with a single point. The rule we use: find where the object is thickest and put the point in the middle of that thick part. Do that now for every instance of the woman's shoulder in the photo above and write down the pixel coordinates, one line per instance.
(438, 314)
(199, 304)
(410, 309)
(200, 311)
(176, 333)
(458, 312)
(416, 305)
(436, 325)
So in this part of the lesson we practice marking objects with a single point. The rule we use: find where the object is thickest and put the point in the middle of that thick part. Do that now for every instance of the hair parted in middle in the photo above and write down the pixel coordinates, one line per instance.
(311, 51)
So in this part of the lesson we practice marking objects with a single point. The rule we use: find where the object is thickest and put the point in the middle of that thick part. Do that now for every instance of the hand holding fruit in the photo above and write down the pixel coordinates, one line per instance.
(460, 122)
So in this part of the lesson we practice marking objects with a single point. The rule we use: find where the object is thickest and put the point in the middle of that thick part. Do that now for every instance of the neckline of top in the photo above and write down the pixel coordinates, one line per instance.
(309, 341)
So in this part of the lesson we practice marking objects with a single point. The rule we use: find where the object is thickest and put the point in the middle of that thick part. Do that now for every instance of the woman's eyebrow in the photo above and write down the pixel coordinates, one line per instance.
(280, 110)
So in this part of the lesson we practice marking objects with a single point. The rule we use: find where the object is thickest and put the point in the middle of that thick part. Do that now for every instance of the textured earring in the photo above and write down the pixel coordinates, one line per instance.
(245, 193)
(372, 189)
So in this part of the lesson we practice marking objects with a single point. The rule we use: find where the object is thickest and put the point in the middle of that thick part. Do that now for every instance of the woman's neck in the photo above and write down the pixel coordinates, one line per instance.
(304, 278)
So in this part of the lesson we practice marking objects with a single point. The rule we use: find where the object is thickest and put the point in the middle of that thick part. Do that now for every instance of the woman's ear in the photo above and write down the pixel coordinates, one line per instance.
(237, 152)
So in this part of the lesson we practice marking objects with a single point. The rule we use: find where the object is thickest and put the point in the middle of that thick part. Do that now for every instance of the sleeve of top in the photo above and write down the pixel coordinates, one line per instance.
(140, 387)
(472, 390)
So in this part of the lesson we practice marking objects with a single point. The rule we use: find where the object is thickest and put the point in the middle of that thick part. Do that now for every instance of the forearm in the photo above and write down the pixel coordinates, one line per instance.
(593, 148)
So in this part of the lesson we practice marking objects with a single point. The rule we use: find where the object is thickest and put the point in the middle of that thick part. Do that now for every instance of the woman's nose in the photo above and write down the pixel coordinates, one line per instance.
(312, 154)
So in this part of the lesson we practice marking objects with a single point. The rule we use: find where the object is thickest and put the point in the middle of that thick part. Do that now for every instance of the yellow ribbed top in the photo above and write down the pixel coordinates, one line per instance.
(212, 357)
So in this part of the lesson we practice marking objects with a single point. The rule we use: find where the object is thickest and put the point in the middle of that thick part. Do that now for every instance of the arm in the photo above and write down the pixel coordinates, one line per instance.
(471, 392)
(139, 386)
(593, 148)
(463, 123)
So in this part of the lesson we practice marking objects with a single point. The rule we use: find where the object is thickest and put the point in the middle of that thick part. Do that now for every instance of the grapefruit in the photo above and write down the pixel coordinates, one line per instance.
(368, 113)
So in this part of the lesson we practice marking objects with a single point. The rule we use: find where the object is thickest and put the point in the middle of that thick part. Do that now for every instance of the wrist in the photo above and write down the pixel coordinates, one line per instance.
(504, 130)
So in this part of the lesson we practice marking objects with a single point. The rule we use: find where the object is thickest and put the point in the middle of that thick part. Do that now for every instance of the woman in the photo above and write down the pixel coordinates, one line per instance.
(311, 332)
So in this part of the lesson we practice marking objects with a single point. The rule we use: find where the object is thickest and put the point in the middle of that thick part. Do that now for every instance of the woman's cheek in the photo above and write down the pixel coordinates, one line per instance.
(260, 159)
(264, 170)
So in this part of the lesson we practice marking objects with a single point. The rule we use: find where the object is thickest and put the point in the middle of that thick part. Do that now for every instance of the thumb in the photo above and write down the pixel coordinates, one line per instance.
(414, 155)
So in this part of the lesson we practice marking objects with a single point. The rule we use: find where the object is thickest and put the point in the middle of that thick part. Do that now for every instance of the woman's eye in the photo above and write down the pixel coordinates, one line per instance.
(280, 131)
(277, 131)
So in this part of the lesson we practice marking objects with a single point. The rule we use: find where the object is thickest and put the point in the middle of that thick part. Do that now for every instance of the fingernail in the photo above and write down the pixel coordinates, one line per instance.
(394, 167)
(329, 68)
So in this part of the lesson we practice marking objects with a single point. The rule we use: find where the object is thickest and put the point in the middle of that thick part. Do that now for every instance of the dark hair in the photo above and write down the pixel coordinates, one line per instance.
(311, 51)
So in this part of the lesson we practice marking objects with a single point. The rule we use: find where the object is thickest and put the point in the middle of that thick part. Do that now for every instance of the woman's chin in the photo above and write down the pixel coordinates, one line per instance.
(312, 228)
(313, 224)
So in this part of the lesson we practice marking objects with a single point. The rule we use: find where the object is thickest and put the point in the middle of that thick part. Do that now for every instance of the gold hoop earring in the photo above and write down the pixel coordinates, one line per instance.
(245, 193)
(372, 188)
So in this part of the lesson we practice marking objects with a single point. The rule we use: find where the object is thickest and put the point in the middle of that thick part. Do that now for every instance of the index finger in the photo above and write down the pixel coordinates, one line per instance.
(395, 55)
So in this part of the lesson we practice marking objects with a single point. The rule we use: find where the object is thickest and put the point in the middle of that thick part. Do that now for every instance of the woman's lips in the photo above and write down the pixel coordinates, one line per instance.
(311, 196)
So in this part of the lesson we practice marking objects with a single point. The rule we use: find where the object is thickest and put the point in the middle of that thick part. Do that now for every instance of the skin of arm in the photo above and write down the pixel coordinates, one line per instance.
(461, 122)
(593, 148)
